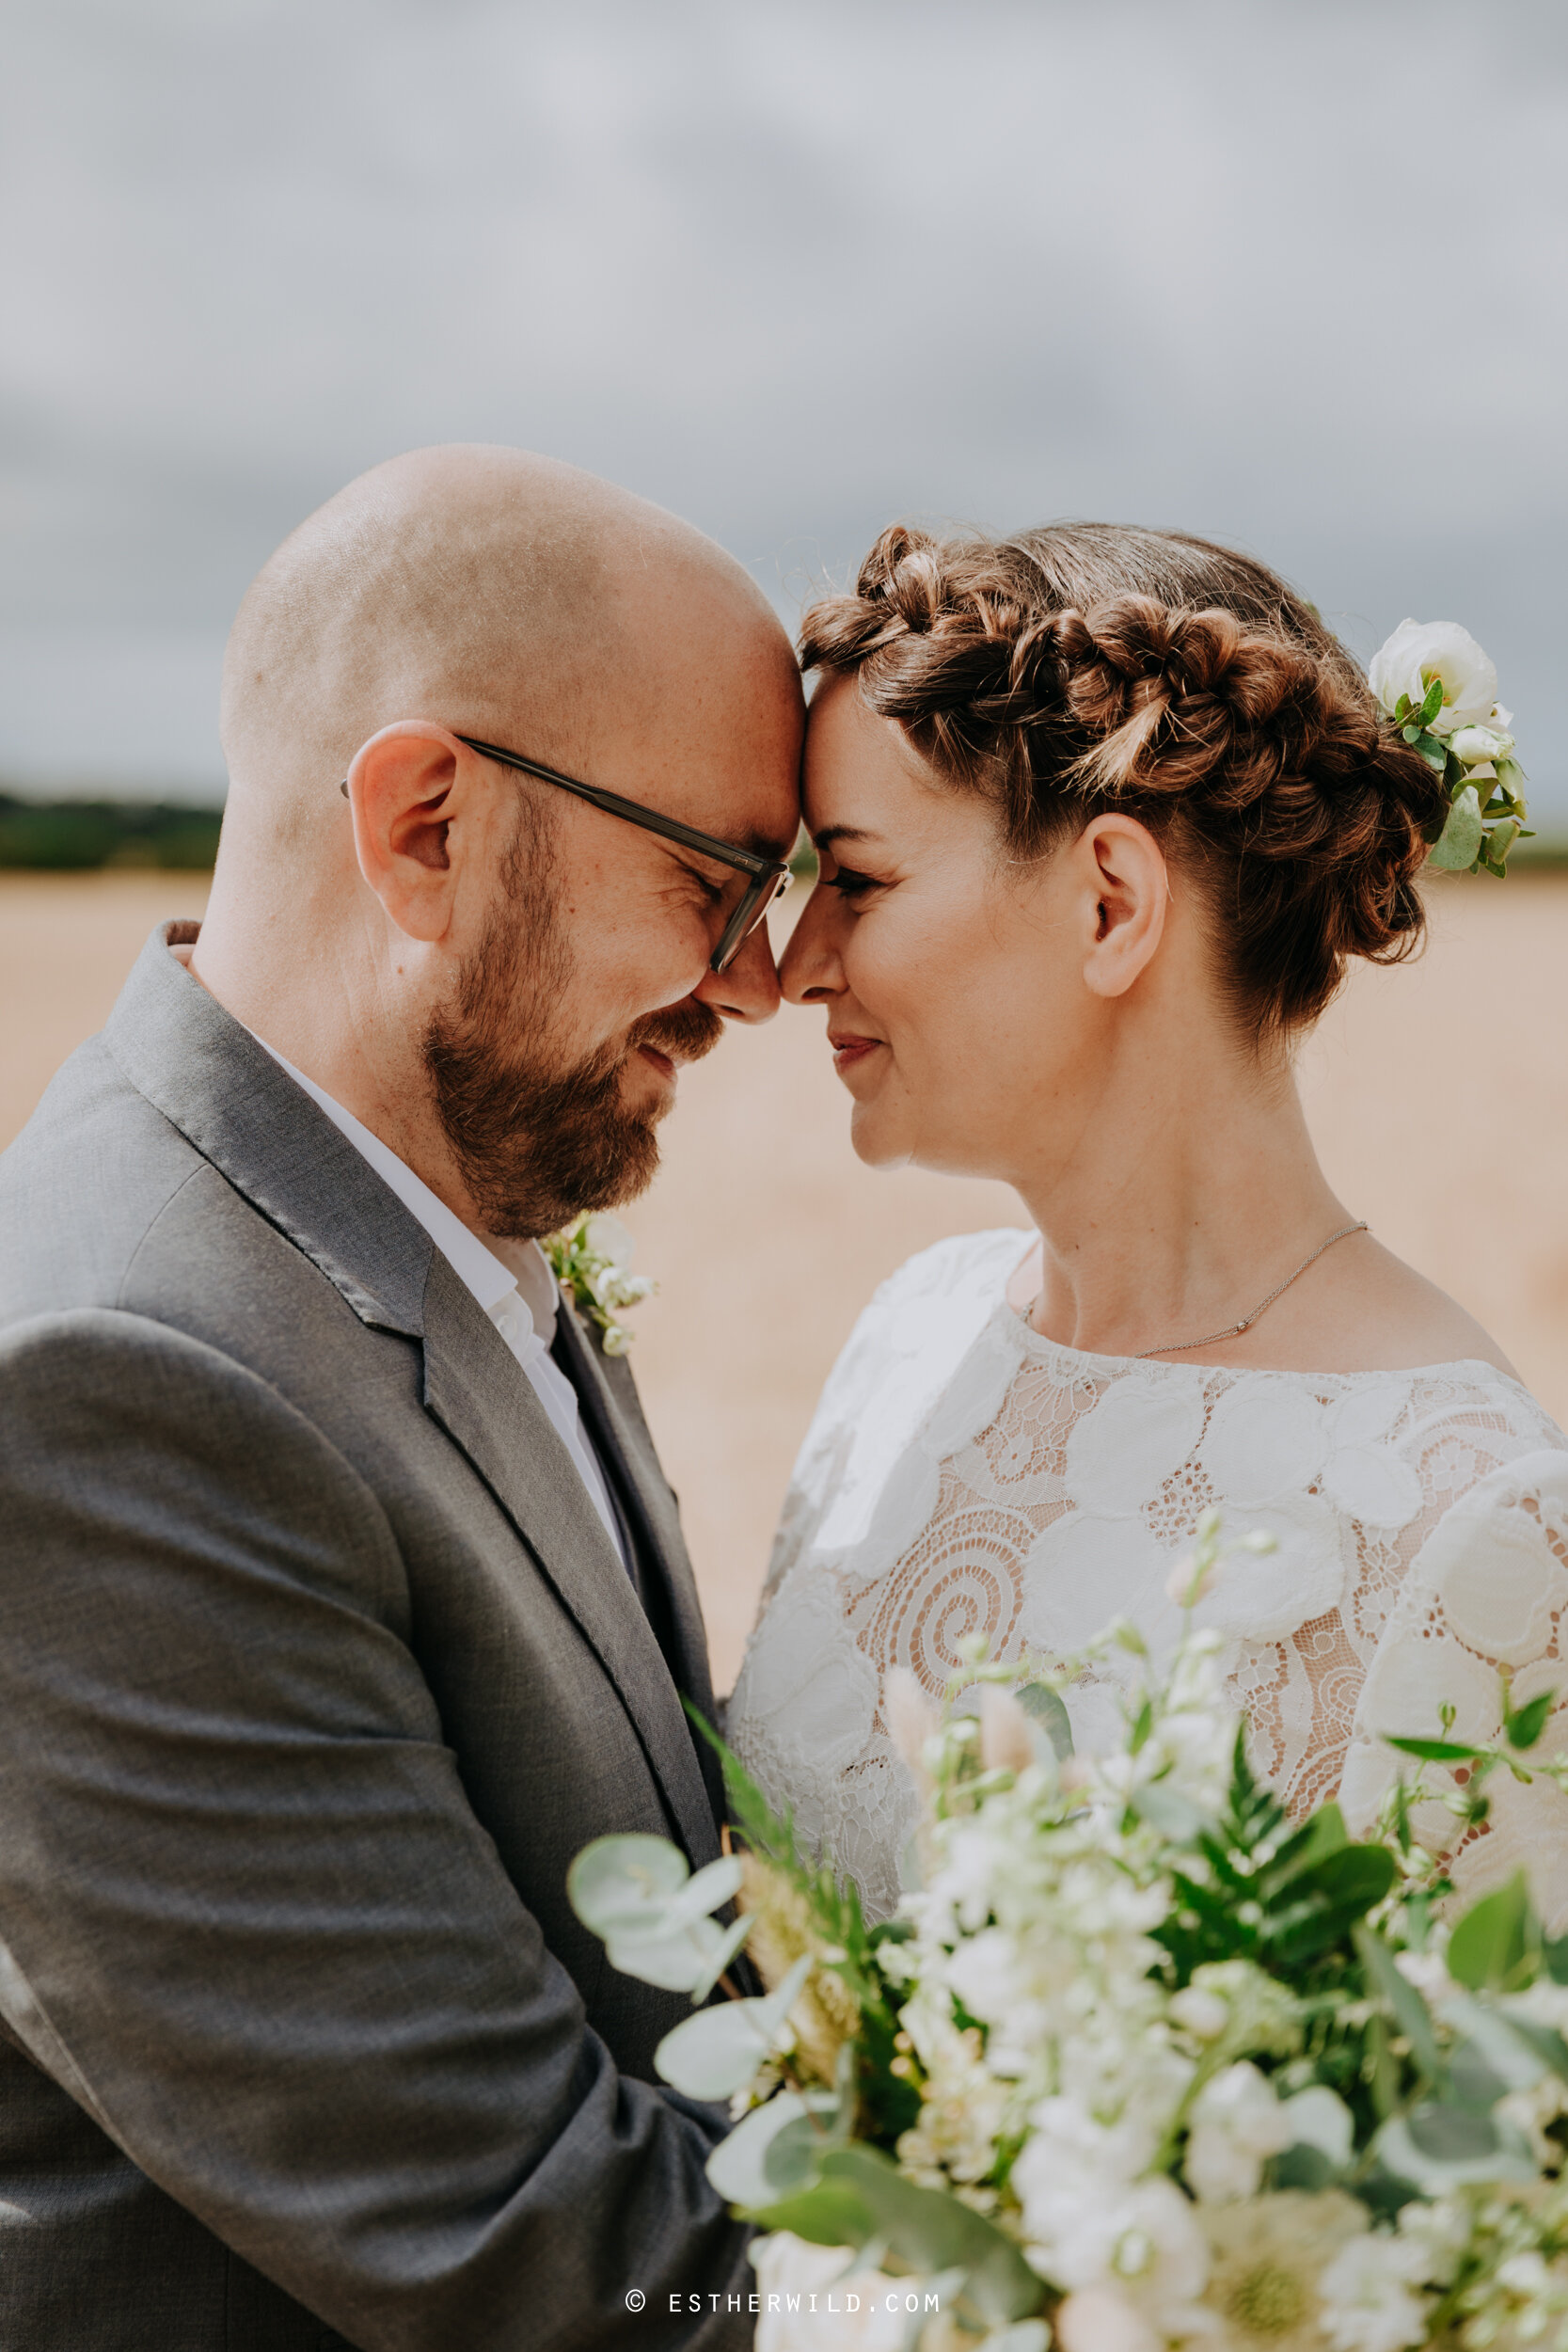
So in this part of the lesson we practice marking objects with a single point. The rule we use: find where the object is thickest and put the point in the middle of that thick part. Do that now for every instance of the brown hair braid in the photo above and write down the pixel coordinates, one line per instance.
(1094, 666)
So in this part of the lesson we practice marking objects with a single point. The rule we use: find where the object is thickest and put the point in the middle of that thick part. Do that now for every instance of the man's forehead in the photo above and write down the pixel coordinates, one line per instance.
(754, 805)
(768, 845)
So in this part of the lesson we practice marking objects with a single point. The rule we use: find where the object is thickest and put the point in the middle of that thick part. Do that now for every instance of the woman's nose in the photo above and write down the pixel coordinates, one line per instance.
(809, 968)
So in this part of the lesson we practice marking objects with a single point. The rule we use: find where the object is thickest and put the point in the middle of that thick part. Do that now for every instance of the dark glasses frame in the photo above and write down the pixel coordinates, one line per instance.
(770, 877)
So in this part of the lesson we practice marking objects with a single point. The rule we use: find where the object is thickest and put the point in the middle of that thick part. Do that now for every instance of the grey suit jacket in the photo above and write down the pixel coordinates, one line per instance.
(317, 1667)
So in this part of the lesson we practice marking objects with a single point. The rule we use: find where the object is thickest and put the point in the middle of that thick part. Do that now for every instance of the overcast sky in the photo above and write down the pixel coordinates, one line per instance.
(1294, 275)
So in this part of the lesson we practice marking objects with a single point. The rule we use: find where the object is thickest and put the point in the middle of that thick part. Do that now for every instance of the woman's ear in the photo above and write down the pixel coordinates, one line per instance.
(1122, 871)
(406, 787)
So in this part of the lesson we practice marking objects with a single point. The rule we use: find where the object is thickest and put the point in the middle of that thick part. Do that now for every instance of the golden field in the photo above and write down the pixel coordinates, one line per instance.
(1438, 1095)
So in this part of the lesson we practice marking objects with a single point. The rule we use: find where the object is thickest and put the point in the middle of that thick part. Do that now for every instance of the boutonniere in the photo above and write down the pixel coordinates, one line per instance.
(1440, 690)
(591, 1258)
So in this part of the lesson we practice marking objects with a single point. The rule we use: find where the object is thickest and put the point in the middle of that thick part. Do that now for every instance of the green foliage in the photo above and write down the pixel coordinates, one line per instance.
(1046, 1707)
(1523, 1728)
(1410, 2012)
(1496, 1947)
(1458, 846)
(1287, 1901)
(888, 2104)
(861, 2196)
(78, 836)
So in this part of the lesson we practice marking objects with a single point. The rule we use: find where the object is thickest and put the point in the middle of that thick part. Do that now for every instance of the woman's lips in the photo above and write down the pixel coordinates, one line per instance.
(848, 1050)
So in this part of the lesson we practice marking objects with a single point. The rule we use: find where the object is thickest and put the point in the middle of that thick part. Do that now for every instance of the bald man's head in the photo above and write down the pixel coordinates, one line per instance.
(496, 592)
(500, 978)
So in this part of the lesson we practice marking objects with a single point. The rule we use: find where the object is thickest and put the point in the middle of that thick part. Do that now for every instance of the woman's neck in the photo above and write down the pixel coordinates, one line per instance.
(1178, 1207)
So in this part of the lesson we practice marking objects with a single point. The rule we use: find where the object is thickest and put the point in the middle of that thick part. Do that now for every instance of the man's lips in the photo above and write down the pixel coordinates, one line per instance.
(661, 1062)
(849, 1048)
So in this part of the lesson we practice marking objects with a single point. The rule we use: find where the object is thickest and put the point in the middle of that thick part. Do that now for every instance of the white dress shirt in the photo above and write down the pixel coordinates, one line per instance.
(522, 1322)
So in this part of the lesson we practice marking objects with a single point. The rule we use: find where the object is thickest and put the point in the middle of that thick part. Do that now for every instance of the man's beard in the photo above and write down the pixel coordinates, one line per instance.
(539, 1143)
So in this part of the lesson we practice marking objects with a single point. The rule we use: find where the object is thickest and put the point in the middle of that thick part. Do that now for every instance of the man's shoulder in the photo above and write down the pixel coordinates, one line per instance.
(105, 1202)
(82, 1185)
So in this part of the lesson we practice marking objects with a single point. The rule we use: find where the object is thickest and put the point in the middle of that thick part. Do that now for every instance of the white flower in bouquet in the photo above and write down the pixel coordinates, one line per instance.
(1419, 652)
(1267, 2257)
(1199, 2012)
(987, 1971)
(1099, 2319)
(1368, 2295)
(1261, 2014)
(1525, 2297)
(1191, 1747)
(1237, 2124)
(1093, 2218)
(867, 2307)
(1441, 2232)
(964, 2107)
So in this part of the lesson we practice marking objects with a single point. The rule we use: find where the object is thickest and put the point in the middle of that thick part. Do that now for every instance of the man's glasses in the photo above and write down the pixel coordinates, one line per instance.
(767, 878)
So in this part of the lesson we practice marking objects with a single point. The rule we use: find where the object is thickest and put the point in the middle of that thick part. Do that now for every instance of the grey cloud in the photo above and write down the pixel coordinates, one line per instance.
(1290, 274)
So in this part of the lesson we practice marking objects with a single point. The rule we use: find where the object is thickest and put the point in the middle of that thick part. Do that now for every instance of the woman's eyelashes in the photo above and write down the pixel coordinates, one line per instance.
(844, 878)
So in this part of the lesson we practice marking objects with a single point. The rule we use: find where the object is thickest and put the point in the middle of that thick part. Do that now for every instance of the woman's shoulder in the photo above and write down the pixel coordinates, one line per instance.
(906, 1344)
(970, 1266)
(925, 1315)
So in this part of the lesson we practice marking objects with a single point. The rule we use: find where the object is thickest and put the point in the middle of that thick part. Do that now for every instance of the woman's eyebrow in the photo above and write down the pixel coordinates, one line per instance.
(830, 833)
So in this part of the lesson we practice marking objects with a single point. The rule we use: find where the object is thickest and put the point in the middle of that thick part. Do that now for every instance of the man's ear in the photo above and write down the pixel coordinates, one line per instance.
(406, 787)
(1126, 887)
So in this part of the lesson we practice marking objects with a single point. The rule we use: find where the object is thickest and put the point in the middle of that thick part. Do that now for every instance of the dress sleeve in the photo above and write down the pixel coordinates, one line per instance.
(895, 1362)
(1486, 1597)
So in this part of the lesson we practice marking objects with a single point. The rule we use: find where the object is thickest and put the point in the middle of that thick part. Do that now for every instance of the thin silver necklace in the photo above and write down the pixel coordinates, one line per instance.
(1234, 1330)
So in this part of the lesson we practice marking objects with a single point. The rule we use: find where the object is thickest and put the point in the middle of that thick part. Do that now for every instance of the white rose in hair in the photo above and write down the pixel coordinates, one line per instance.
(1471, 744)
(1419, 651)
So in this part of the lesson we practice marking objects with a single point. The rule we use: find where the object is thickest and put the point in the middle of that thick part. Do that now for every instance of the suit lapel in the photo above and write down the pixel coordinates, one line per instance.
(614, 1415)
(244, 1115)
(475, 1388)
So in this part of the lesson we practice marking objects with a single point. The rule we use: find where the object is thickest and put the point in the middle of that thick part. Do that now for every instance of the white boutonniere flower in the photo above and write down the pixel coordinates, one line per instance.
(591, 1258)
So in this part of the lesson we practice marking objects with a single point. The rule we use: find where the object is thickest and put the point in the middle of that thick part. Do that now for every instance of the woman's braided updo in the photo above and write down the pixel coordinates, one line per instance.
(1092, 666)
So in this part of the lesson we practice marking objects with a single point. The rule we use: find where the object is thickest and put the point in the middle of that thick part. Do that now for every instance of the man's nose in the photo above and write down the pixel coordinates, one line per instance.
(749, 991)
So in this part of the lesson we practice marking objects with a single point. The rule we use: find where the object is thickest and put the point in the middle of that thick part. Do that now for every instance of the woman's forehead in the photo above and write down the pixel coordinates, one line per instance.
(861, 775)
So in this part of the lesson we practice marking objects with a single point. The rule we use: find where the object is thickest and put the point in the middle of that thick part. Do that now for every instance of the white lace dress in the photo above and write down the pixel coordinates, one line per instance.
(964, 1475)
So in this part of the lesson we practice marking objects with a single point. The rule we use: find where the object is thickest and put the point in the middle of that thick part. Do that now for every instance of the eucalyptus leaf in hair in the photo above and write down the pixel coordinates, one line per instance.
(1458, 844)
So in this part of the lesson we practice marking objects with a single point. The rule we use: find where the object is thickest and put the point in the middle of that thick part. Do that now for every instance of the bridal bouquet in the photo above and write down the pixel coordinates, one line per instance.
(1141, 2062)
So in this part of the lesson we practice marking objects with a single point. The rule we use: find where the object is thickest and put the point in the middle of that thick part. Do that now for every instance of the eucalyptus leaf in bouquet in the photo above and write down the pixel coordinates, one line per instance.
(1142, 2062)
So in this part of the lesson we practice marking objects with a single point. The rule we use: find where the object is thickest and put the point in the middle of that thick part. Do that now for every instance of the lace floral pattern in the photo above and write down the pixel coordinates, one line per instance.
(963, 1476)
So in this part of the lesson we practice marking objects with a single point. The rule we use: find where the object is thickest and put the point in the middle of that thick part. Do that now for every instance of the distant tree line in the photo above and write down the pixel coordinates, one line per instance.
(76, 835)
